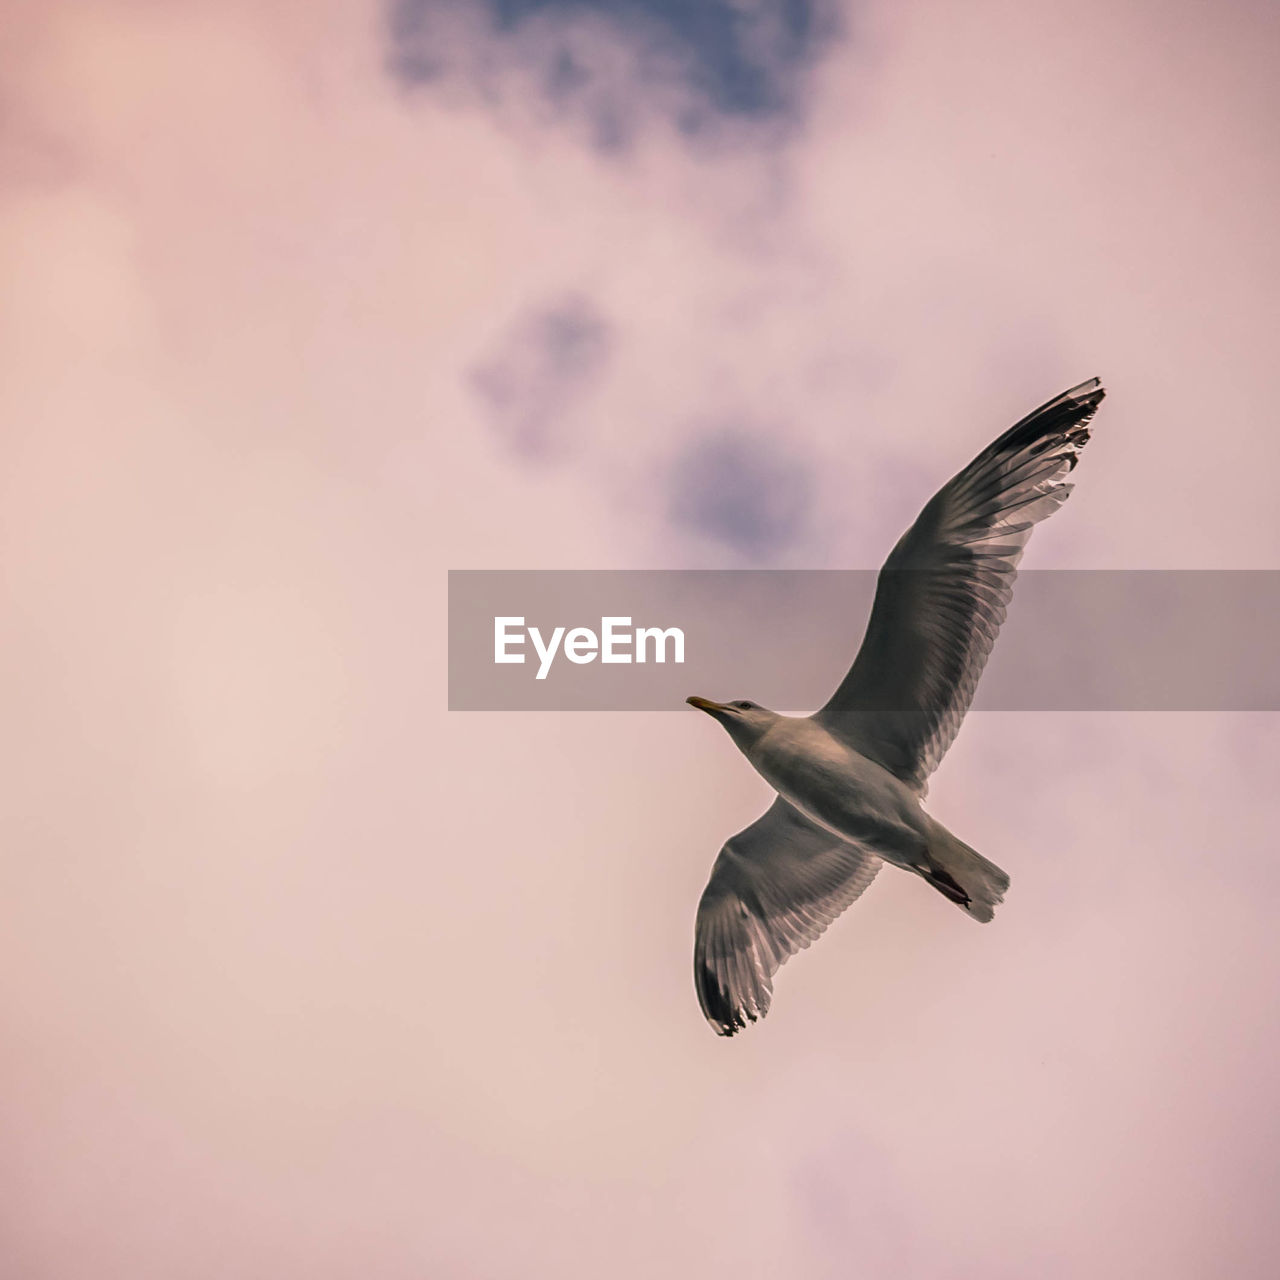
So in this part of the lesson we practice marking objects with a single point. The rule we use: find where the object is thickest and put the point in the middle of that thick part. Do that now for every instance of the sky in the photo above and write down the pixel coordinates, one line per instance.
(303, 305)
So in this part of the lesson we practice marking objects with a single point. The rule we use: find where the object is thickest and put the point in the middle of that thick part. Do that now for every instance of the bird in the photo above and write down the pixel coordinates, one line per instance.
(850, 779)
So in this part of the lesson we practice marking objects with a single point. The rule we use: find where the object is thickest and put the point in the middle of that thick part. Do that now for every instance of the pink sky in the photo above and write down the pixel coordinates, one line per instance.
(301, 975)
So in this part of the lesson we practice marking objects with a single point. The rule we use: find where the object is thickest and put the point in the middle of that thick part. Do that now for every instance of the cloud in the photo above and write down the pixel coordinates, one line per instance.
(539, 368)
(741, 489)
(611, 63)
(239, 420)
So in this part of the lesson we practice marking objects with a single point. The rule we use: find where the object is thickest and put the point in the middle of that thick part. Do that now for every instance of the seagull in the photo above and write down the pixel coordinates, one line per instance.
(851, 777)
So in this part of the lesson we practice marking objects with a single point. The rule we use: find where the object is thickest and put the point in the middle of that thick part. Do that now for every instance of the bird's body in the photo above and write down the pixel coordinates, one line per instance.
(850, 778)
(840, 789)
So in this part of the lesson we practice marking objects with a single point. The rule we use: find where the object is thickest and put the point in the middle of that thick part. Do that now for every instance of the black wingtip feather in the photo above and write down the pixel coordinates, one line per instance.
(1065, 418)
(725, 1018)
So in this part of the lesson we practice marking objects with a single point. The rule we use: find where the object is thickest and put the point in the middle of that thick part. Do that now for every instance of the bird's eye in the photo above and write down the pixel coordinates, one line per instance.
(745, 706)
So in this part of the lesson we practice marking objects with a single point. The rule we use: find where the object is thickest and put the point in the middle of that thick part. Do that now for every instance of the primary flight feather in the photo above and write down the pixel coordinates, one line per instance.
(850, 778)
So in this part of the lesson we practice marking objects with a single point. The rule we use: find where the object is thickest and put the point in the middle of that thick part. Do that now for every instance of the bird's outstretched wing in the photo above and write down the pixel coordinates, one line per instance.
(774, 888)
(942, 594)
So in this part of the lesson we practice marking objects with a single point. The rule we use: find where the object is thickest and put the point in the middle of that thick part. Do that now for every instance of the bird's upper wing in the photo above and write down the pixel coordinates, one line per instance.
(774, 888)
(942, 594)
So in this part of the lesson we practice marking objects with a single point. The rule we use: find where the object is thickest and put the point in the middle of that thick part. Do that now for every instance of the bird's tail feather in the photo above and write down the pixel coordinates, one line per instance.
(963, 875)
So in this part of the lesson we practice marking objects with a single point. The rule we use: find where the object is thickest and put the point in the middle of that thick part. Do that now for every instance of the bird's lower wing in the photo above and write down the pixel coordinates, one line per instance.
(774, 888)
(942, 594)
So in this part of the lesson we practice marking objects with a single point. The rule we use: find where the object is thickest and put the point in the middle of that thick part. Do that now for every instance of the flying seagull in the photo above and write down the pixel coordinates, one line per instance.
(850, 777)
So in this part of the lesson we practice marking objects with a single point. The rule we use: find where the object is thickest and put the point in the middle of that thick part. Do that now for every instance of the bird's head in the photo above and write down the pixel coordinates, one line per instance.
(746, 722)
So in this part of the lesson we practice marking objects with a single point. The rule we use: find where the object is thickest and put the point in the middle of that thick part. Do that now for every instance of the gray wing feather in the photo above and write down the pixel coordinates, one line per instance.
(942, 594)
(774, 888)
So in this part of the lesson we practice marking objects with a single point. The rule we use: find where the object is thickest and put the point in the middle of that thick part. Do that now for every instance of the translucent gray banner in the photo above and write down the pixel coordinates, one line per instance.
(1098, 640)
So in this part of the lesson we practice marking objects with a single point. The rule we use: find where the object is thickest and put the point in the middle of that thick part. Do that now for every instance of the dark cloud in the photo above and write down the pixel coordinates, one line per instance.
(743, 490)
(542, 364)
(698, 61)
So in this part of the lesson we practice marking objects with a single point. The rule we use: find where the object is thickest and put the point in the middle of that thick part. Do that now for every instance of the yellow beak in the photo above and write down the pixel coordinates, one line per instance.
(705, 704)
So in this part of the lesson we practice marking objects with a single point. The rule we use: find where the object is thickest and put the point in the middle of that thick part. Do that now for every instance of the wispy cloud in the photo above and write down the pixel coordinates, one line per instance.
(742, 490)
(275, 920)
(544, 362)
(613, 63)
